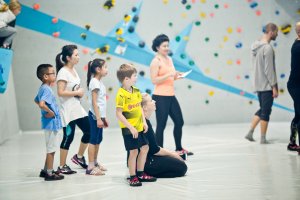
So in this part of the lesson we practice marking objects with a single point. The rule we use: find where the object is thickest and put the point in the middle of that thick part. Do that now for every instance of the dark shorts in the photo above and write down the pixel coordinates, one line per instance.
(134, 143)
(265, 102)
(96, 134)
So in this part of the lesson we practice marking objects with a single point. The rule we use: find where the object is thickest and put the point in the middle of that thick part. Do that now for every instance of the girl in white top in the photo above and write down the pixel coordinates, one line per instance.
(97, 69)
(72, 113)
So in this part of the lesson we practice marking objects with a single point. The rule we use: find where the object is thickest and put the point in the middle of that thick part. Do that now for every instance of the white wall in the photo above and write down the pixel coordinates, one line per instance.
(32, 48)
(9, 123)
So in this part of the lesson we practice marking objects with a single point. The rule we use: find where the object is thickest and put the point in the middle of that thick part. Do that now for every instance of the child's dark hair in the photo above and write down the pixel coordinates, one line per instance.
(42, 69)
(158, 40)
(92, 66)
(125, 70)
(61, 58)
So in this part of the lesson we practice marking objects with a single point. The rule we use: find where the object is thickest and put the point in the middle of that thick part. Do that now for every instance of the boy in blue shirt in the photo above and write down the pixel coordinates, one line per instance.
(50, 119)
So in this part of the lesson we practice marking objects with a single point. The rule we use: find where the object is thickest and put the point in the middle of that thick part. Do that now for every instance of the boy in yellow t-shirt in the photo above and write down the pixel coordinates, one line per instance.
(132, 122)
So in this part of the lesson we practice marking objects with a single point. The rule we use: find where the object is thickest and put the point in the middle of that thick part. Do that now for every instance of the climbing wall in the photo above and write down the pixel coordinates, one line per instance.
(211, 38)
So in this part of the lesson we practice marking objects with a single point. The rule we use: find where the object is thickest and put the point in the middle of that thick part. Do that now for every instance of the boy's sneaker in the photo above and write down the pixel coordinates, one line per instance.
(43, 173)
(53, 177)
(134, 182)
(66, 170)
(146, 178)
(184, 151)
(293, 147)
(79, 161)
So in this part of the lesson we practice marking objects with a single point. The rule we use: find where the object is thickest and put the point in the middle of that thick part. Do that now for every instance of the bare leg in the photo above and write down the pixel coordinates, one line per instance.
(50, 160)
(63, 156)
(96, 152)
(132, 161)
(82, 148)
(254, 123)
(91, 154)
(142, 158)
(263, 130)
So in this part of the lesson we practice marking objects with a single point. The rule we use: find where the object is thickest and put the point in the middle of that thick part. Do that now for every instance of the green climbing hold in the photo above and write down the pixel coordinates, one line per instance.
(183, 56)
(191, 62)
(197, 23)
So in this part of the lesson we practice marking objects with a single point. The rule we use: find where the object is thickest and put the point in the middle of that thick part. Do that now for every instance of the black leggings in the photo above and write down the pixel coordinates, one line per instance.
(295, 94)
(165, 106)
(69, 132)
(165, 167)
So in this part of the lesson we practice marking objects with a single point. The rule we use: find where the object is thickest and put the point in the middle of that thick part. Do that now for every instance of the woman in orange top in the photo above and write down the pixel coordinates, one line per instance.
(163, 74)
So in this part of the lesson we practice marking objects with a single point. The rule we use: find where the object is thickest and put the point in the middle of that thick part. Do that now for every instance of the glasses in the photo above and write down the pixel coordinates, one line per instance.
(51, 73)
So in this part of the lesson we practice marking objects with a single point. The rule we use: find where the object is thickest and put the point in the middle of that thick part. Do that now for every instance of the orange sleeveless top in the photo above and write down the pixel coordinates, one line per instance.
(165, 88)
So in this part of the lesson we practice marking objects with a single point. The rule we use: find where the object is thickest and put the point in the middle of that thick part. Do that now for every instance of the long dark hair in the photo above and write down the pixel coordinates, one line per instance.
(61, 58)
(92, 65)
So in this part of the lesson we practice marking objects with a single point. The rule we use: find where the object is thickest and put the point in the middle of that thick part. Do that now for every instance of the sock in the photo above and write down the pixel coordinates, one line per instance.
(263, 139)
(139, 173)
(91, 165)
(49, 172)
(79, 157)
(131, 177)
(249, 136)
(95, 162)
(250, 133)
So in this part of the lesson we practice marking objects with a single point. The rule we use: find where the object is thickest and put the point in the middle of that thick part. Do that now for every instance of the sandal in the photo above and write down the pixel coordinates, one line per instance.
(95, 171)
(101, 167)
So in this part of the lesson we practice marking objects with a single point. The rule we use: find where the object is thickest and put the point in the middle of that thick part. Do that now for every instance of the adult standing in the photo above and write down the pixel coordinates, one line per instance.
(265, 80)
(293, 86)
(163, 75)
(72, 112)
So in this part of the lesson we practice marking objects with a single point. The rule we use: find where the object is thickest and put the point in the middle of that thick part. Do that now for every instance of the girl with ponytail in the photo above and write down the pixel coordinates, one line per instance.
(97, 69)
(72, 112)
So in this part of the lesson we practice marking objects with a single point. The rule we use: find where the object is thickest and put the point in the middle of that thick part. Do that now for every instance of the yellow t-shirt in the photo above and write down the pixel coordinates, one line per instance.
(132, 109)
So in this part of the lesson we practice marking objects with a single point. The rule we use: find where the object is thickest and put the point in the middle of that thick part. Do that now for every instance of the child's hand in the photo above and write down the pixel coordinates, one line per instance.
(134, 132)
(80, 92)
(50, 114)
(145, 128)
(100, 123)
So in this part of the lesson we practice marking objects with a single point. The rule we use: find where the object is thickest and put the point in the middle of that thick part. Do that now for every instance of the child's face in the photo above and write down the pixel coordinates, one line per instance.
(16, 11)
(103, 70)
(50, 77)
(132, 80)
(74, 59)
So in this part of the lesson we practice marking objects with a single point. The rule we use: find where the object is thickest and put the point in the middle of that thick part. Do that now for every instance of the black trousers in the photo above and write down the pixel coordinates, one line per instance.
(69, 132)
(165, 167)
(295, 94)
(168, 106)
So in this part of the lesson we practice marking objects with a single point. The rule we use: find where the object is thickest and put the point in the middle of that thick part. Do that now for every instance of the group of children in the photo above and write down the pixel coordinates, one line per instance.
(8, 13)
(71, 113)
